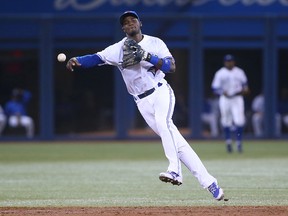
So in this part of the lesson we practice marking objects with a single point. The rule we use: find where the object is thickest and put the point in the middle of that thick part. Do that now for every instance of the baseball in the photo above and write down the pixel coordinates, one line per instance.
(61, 57)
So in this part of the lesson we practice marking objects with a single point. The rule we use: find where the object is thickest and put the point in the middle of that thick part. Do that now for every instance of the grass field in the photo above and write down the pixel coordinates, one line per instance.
(126, 174)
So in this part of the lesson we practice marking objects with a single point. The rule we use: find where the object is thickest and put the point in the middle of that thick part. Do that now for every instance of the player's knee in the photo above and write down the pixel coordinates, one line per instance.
(162, 127)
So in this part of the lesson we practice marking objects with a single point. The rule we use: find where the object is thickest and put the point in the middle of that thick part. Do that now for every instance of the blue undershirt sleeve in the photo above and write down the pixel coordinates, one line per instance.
(87, 61)
(217, 91)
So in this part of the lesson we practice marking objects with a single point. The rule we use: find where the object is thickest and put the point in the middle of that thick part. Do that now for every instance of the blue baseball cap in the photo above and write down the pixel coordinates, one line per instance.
(229, 57)
(128, 13)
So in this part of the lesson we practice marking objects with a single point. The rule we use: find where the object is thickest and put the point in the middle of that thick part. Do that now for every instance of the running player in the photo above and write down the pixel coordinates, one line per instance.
(154, 98)
(230, 82)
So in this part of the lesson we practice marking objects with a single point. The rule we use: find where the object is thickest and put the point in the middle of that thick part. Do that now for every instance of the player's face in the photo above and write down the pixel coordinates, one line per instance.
(131, 26)
(229, 64)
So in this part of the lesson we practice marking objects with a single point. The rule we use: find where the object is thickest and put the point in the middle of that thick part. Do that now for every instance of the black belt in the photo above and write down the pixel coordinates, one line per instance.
(148, 92)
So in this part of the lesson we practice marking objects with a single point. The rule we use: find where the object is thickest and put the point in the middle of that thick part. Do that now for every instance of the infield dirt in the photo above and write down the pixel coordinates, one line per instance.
(151, 211)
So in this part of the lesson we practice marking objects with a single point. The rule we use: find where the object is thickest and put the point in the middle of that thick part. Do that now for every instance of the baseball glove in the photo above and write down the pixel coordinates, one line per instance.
(132, 53)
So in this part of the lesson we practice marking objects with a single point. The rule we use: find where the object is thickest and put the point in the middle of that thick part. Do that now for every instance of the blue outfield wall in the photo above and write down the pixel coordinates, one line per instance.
(212, 7)
(193, 25)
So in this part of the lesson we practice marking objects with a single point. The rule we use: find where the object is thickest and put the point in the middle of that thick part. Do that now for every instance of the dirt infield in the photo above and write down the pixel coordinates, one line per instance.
(151, 211)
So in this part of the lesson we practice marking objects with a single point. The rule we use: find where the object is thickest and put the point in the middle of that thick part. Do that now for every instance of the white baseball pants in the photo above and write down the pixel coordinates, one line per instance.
(25, 121)
(157, 110)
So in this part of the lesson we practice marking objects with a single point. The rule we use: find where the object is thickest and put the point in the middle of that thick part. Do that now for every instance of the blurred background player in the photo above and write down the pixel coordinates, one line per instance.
(283, 107)
(258, 105)
(210, 115)
(230, 83)
(16, 108)
(2, 120)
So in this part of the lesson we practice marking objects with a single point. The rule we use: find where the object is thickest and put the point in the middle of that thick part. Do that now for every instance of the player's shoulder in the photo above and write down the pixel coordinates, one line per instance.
(121, 41)
(152, 39)
(117, 44)
(238, 69)
(222, 70)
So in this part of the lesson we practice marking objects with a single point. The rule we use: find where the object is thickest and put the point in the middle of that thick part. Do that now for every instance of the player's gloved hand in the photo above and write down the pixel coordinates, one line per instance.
(73, 62)
(132, 53)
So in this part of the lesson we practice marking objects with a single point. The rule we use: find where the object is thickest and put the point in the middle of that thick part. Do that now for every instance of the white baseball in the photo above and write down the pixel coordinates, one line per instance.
(61, 57)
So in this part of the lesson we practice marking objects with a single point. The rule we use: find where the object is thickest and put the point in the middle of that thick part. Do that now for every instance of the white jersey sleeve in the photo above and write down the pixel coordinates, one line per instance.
(216, 83)
(112, 55)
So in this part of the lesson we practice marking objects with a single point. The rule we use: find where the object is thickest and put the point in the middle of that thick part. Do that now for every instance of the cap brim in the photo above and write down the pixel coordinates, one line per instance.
(126, 14)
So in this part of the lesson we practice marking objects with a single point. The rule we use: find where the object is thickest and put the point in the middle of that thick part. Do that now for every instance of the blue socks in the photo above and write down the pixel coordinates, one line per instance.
(228, 140)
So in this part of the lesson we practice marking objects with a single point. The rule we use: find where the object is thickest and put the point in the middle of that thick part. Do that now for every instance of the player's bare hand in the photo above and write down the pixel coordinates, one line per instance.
(73, 62)
(226, 94)
(246, 91)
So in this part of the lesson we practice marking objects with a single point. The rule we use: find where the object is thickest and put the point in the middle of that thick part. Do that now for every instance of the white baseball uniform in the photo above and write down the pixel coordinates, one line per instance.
(258, 117)
(157, 108)
(2, 120)
(231, 107)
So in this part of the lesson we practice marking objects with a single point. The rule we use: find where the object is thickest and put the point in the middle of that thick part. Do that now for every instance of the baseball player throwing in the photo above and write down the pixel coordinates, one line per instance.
(230, 82)
(143, 61)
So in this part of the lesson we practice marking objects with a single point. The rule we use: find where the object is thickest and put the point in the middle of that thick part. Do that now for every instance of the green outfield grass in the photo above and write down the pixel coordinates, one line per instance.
(126, 174)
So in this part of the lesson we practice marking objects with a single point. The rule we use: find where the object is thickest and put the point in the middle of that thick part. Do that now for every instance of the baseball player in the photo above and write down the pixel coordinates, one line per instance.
(2, 120)
(143, 61)
(15, 109)
(230, 82)
(258, 117)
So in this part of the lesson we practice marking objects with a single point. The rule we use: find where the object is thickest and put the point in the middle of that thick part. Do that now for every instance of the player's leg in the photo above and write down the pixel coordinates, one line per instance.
(163, 108)
(213, 123)
(238, 113)
(257, 124)
(157, 110)
(28, 123)
(171, 134)
(211, 120)
(194, 164)
(285, 120)
(278, 124)
(191, 160)
(2, 122)
(226, 121)
(13, 121)
(160, 125)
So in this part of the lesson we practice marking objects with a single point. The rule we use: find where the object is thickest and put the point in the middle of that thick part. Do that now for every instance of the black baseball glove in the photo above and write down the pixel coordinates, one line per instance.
(132, 53)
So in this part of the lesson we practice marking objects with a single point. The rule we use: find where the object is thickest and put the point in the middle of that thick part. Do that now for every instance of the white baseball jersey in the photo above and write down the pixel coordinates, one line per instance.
(157, 108)
(137, 78)
(231, 82)
(258, 103)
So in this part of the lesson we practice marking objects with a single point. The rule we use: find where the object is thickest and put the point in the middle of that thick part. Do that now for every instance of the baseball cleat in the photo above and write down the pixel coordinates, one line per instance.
(229, 148)
(171, 177)
(216, 191)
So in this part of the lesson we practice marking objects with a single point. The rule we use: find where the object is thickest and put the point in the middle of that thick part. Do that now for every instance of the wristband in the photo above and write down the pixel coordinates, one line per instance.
(166, 63)
(152, 59)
